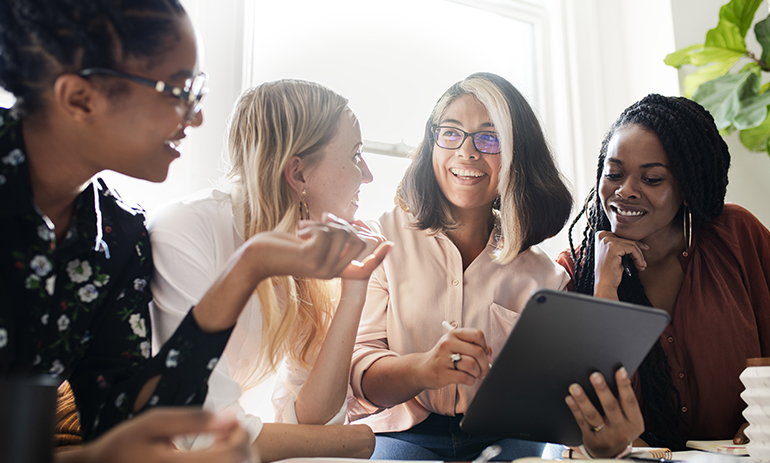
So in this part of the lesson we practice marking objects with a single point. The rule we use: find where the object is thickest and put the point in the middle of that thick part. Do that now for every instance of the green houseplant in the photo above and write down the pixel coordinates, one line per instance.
(728, 81)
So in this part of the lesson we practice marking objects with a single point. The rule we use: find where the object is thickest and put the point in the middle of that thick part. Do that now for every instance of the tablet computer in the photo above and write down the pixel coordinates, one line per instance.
(559, 339)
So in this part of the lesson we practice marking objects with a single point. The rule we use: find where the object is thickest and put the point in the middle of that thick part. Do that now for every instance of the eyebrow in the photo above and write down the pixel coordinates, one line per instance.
(645, 166)
(455, 121)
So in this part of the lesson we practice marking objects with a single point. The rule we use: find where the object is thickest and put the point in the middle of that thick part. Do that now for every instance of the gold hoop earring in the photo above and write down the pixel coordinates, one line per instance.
(585, 208)
(687, 217)
(304, 211)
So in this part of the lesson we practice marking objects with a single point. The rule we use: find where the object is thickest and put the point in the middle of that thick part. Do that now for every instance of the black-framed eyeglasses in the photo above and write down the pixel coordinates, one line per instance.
(452, 138)
(190, 94)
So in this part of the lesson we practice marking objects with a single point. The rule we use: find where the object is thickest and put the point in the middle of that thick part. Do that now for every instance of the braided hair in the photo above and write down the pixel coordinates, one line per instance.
(699, 160)
(43, 39)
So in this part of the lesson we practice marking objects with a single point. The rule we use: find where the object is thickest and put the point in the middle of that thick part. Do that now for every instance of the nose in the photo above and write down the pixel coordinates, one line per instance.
(366, 174)
(627, 189)
(468, 150)
(196, 120)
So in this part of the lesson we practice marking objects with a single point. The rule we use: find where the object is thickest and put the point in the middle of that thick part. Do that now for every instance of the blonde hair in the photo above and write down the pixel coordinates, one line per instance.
(271, 124)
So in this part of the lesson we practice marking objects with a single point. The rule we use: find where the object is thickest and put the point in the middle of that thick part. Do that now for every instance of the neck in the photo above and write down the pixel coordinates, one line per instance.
(664, 244)
(56, 170)
(473, 233)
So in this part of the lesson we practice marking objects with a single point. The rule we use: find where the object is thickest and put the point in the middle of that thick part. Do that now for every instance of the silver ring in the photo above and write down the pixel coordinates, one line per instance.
(597, 428)
(455, 358)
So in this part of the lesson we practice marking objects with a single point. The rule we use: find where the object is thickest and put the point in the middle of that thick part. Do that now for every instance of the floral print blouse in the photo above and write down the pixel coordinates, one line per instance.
(78, 309)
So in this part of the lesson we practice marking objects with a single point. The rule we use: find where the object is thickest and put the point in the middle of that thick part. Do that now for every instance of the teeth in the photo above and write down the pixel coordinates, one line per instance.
(466, 172)
(629, 213)
(174, 143)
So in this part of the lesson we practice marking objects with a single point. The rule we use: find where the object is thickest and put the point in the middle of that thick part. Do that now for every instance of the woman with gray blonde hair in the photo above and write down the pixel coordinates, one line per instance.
(295, 151)
(481, 192)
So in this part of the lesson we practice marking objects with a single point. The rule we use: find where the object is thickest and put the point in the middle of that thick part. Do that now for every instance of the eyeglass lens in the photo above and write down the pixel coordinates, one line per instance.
(197, 90)
(451, 138)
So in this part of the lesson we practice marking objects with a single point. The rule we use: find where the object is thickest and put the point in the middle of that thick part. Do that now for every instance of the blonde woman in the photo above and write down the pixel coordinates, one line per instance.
(295, 151)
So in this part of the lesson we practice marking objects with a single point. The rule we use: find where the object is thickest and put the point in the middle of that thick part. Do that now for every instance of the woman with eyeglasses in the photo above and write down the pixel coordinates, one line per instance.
(482, 190)
(295, 154)
(111, 84)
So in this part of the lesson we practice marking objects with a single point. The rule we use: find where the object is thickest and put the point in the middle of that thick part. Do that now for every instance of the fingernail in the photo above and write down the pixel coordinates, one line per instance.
(575, 389)
(596, 378)
(623, 373)
(570, 401)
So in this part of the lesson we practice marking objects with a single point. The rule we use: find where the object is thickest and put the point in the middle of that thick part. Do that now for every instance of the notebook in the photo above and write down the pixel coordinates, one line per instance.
(559, 339)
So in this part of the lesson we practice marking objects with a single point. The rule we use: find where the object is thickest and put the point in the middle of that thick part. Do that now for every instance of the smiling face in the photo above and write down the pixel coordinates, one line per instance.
(145, 127)
(332, 182)
(638, 190)
(467, 177)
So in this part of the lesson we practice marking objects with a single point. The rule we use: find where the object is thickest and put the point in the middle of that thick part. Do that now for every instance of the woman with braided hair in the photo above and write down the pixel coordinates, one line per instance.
(115, 84)
(660, 234)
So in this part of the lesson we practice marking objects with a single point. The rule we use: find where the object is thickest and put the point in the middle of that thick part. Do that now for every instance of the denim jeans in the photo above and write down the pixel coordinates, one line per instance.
(439, 437)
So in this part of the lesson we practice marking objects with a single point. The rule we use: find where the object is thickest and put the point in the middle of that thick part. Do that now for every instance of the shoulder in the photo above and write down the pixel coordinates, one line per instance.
(539, 265)
(737, 222)
(394, 222)
(210, 208)
(117, 213)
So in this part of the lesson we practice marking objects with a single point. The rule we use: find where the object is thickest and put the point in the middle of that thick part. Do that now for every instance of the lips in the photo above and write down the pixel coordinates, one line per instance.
(625, 213)
(466, 173)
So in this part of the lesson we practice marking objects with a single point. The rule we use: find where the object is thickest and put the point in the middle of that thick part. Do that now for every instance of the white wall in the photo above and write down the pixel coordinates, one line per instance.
(749, 172)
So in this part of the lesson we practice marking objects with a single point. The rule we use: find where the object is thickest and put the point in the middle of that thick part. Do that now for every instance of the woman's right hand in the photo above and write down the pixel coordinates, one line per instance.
(147, 438)
(609, 251)
(438, 367)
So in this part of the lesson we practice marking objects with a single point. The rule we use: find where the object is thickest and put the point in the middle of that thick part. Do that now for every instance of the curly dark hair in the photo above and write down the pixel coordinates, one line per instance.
(699, 160)
(43, 39)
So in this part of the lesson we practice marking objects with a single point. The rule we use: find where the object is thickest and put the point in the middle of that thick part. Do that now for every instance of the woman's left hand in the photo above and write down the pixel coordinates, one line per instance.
(607, 436)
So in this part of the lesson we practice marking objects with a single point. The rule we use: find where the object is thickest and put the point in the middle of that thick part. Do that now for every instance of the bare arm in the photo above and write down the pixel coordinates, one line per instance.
(323, 393)
(394, 380)
(279, 441)
(147, 438)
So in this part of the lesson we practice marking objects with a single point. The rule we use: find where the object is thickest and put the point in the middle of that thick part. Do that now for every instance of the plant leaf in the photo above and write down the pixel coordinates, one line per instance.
(680, 57)
(705, 74)
(714, 54)
(762, 31)
(722, 96)
(757, 138)
(741, 13)
(726, 35)
(753, 111)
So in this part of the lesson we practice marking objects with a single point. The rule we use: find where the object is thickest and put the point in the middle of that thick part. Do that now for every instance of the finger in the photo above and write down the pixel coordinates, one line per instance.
(352, 247)
(362, 270)
(337, 240)
(474, 358)
(476, 337)
(612, 411)
(591, 416)
(740, 437)
(168, 422)
(628, 403)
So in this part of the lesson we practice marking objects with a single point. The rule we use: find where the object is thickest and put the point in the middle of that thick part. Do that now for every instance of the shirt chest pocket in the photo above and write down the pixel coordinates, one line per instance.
(501, 322)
